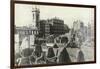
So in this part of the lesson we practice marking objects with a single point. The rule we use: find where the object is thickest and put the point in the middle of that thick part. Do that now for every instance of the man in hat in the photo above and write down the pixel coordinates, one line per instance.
(50, 57)
(64, 57)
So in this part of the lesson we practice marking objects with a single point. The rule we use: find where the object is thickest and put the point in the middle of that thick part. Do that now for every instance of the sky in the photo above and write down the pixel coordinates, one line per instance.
(23, 14)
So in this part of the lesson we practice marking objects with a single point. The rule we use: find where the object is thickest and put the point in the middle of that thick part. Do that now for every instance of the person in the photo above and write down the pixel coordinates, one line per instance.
(72, 44)
(32, 58)
(64, 40)
(50, 58)
(25, 57)
(38, 50)
(64, 57)
(41, 59)
(80, 56)
(37, 60)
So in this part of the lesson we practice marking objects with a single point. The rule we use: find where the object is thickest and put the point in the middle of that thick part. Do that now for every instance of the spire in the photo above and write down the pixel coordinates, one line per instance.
(36, 15)
(35, 8)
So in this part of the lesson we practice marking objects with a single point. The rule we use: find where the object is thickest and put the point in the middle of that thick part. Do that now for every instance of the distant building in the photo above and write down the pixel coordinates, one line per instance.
(41, 29)
(78, 25)
(36, 16)
(25, 32)
(79, 32)
(17, 46)
(52, 26)
(90, 31)
(56, 26)
(44, 28)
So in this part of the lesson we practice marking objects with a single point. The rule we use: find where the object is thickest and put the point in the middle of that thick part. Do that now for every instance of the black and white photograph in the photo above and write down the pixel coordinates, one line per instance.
(50, 34)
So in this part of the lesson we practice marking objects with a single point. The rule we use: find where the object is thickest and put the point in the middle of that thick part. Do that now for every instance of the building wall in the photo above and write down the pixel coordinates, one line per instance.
(44, 28)
(17, 43)
(56, 26)
(80, 31)
(24, 32)
(36, 16)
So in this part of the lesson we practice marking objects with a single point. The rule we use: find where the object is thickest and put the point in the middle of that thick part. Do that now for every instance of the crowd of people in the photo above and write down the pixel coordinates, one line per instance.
(53, 55)
(31, 56)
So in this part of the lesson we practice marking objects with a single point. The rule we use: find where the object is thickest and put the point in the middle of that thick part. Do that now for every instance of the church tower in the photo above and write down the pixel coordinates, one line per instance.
(36, 16)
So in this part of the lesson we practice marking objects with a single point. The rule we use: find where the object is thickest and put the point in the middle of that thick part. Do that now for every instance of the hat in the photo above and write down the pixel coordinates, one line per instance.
(55, 46)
